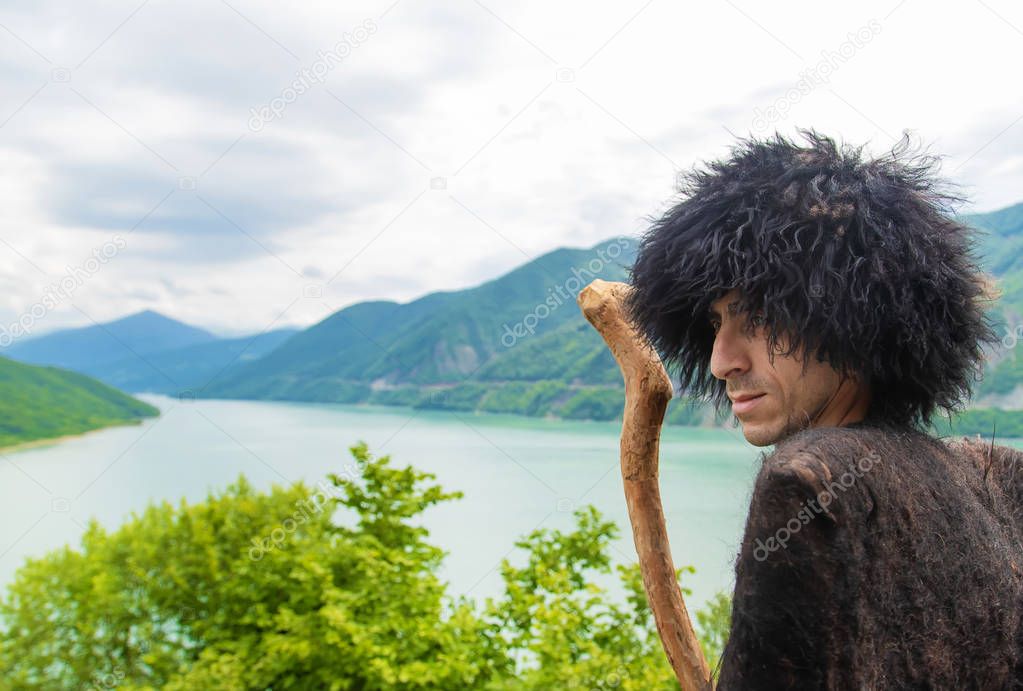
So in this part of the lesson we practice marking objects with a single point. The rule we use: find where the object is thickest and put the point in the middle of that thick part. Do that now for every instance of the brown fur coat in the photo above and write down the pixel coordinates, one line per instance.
(880, 558)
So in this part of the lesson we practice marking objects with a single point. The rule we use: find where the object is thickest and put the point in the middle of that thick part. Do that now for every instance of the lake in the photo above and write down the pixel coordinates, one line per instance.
(518, 474)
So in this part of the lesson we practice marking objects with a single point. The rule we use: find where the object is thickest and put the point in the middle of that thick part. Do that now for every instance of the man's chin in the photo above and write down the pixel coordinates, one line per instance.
(759, 434)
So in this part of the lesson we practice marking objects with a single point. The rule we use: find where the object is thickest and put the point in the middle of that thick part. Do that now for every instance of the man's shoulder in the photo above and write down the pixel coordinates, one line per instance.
(825, 451)
(819, 464)
(1001, 465)
(839, 439)
(813, 460)
(840, 442)
(979, 449)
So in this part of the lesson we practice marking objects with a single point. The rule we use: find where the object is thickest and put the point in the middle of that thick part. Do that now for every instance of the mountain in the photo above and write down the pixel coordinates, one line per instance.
(1000, 246)
(146, 352)
(89, 347)
(46, 402)
(440, 339)
(1001, 240)
(189, 369)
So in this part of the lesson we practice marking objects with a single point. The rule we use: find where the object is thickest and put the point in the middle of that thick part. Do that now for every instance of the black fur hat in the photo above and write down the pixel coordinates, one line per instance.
(859, 261)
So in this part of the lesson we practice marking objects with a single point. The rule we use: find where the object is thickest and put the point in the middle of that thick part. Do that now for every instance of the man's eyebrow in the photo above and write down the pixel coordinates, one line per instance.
(711, 312)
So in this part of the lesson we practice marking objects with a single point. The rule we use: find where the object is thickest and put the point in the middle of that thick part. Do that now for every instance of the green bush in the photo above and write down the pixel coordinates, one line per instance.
(328, 588)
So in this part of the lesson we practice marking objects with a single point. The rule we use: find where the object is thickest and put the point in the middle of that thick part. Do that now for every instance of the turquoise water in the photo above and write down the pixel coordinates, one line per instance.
(518, 474)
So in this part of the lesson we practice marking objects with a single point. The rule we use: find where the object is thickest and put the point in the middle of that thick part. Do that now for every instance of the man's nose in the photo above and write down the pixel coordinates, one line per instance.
(729, 356)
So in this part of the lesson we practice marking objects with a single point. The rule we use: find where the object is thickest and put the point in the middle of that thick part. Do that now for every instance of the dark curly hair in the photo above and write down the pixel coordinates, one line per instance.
(859, 261)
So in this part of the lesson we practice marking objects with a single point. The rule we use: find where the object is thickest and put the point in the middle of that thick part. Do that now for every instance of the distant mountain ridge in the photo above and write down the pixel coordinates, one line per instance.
(188, 370)
(144, 352)
(89, 347)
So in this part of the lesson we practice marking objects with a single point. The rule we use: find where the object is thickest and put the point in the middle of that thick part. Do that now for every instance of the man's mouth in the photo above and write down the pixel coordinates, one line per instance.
(745, 403)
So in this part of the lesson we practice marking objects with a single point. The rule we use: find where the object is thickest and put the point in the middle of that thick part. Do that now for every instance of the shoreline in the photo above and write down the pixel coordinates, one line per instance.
(34, 443)
(519, 416)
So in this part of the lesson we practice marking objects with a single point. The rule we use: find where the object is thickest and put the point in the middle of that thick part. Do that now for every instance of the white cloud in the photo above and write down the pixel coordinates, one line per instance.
(551, 124)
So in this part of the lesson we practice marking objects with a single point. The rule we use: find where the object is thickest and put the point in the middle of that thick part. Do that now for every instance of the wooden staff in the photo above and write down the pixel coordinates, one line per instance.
(647, 392)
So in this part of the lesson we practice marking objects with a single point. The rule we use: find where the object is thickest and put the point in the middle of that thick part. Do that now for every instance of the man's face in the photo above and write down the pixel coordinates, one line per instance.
(788, 399)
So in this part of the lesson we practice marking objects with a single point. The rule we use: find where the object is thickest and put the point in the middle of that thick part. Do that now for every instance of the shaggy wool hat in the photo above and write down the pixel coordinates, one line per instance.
(859, 261)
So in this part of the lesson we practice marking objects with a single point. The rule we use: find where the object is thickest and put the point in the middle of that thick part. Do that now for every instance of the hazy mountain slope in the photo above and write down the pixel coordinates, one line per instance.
(147, 352)
(89, 347)
(190, 368)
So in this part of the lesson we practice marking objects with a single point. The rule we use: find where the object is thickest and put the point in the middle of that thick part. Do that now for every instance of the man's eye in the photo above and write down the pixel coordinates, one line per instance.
(715, 325)
(758, 319)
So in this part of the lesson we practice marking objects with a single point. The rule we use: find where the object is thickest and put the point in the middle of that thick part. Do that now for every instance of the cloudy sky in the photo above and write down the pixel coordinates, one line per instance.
(244, 165)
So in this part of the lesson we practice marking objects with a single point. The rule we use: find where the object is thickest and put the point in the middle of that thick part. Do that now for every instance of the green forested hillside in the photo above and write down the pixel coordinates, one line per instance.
(1000, 246)
(523, 326)
(1000, 242)
(45, 402)
(574, 353)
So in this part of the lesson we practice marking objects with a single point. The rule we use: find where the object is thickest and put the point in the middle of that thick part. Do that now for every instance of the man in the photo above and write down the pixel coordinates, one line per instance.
(833, 302)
